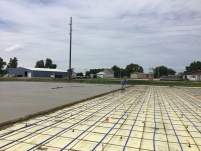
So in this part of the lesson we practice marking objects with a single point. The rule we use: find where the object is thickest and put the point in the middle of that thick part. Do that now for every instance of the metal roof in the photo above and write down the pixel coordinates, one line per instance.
(198, 72)
(108, 71)
(101, 73)
(43, 69)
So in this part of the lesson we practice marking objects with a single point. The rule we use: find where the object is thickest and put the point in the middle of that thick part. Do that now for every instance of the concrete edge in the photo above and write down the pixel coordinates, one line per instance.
(9, 123)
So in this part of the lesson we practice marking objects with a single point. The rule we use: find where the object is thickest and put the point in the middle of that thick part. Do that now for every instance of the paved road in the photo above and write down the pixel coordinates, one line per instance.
(18, 99)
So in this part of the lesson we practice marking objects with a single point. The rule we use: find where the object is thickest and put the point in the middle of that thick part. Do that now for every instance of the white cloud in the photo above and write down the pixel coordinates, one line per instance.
(105, 33)
(13, 48)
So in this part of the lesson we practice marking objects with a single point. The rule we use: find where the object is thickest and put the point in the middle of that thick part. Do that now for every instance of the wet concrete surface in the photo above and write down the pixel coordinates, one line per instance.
(18, 99)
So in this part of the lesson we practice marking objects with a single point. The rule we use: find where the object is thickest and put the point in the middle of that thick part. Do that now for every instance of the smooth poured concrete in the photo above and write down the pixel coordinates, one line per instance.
(18, 99)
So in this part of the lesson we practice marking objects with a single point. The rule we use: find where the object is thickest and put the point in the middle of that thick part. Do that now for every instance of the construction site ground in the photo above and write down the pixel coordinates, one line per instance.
(142, 118)
(18, 99)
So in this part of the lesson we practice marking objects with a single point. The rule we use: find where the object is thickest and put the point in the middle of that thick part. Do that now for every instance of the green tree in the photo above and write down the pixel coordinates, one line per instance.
(80, 74)
(12, 63)
(40, 64)
(133, 68)
(122, 73)
(88, 73)
(194, 66)
(49, 64)
(94, 71)
(171, 72)
(2, 64)
(180, 73)
(163, 71)
(117, 71)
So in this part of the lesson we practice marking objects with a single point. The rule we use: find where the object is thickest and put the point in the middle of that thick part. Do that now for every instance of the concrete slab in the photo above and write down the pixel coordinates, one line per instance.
(130, 125)
(22, 98)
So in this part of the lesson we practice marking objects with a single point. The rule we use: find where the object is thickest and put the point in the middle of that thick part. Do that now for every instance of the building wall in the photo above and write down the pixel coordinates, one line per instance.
(140, 76)
(150, 76)
(92, 75)
(100, 75)
(133, 76)
(192, 77)
(110, 72)
(30, 73)
(105, 75)
(20, 72)
(108, 76)
(171, 78)
(48, 73)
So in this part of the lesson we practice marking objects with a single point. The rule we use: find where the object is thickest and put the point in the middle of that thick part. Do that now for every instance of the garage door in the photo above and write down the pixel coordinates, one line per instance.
(29, 74)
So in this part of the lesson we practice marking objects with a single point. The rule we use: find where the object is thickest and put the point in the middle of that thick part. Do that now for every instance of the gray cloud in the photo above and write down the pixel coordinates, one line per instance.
(105, 33)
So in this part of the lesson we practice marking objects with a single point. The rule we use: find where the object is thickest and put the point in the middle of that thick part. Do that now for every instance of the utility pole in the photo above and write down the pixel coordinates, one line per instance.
(70, 70)
(158, 72)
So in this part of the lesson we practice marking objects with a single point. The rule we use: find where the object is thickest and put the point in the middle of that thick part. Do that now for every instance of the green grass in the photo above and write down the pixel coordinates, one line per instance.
(108, 81)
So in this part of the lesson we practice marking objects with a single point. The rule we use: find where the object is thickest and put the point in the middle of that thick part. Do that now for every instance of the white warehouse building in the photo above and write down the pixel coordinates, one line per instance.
(106, 73)
(37, 72)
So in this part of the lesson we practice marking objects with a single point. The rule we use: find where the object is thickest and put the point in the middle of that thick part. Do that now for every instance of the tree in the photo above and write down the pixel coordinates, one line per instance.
(40, 64)
(163, 71)
(133, 68)
(49, 64)
(117, 71)
(2, 64)
(171, 72)
(80, 74)
(12, 63)
(122, 73)
(88, 73)
(194, 66)
(94, 71)
(180, 73)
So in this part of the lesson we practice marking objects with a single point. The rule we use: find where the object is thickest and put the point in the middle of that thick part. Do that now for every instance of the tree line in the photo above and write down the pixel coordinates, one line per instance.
(118, 72)
(48, 64)
(13, 63)
(158, 71)
(122, 72)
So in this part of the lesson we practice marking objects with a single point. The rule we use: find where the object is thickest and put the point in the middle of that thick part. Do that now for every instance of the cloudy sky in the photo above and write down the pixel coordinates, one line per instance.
(105, 32)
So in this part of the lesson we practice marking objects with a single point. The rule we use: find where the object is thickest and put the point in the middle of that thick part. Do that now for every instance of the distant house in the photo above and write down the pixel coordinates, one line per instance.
(139, 75)
(93, 75)
(106, 73)
(171, 78)
(73, 75)
(192, 76)
(37, 72)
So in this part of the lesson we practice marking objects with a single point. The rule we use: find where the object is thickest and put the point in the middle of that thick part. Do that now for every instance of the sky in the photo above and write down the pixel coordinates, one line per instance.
(105, 33)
